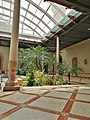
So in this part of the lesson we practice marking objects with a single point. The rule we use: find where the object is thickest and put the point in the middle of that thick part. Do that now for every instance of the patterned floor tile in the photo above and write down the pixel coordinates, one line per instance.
(82, 97)
(18, 97)
(5, 93)
(85, 90)
(5, 107)
(36, 91)
(50, 103)
(59, 94)
(80, 108)
(29, 114)
(65, 89)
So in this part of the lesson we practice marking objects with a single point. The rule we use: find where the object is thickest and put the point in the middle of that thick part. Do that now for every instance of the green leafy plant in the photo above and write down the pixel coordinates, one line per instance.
(77, 70)
(37, 55)
(47, 80)
(58, 80)
(30, 79)
(39, 78)
(63, 68)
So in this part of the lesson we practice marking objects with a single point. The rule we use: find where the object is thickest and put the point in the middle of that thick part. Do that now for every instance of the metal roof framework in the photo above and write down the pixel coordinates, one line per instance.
(36, 16)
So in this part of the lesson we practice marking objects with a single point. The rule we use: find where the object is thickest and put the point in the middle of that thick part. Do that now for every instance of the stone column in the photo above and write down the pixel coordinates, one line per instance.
(57, 50)
(12, 83)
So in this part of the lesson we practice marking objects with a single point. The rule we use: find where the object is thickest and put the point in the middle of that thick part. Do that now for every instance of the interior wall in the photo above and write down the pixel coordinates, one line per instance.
(81, 51)
(5, 53)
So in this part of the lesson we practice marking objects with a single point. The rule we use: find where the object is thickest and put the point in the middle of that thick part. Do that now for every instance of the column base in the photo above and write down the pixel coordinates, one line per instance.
(11, 88)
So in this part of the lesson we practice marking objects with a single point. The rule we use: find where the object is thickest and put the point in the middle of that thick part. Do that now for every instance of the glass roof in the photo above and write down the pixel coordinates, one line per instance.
(37, 18)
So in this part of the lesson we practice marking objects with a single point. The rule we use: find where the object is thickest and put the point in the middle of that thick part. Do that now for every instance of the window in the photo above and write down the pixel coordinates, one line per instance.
(74, 62)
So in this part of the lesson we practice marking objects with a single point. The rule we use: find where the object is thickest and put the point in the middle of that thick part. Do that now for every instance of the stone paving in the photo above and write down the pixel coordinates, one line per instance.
(68, 102)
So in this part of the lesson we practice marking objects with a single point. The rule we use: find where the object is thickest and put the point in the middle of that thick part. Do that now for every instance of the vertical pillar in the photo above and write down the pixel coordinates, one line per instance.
(57, 50)
(12, 83)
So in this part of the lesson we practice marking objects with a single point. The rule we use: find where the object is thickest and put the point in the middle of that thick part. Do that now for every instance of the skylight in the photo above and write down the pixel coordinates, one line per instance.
(36, 16)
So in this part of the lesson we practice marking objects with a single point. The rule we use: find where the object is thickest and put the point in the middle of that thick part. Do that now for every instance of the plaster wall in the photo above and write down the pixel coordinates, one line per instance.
(81, 51)
(5, 52)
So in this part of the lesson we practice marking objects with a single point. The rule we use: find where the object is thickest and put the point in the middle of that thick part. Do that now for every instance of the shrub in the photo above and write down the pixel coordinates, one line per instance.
(30, 79)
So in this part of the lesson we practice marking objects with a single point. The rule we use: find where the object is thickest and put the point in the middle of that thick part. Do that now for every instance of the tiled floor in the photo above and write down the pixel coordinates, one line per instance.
(69, 102)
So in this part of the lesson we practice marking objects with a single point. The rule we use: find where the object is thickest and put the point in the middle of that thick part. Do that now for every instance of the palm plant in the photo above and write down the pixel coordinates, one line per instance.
(37, 55)
(63, 68)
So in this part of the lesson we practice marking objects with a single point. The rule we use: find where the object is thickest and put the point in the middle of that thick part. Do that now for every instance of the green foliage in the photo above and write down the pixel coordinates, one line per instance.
(47, 80)
(76, 70)
(58, 80)
(21, 71)
(33, 58)
(63, 68)
(25, 82)
(26, 68)
(30, 79)
(39, 78)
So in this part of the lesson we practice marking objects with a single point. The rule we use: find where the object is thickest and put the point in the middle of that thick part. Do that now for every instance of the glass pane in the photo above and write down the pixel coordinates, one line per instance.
(22, 12)
(20, 25)
(12, 6)
(29, 16)
(25, 27)
(37, 1)
(39, 13)
(42, 34)
(7, 12)
(44, 5)
(27, 22)
(32, 25)
(35, 20)
(24, 3)
(68, 11)
(35, 33)
(32, 8)
(21, 18)
(41, 25)
(6, 18)
(20, 30)
(50, 11)
(58, 17)
(51, 24)
(26, 31)
(46, 30)
(1, 10)
(11, 14)
(46, 19)
(6, 4)
(38, 30)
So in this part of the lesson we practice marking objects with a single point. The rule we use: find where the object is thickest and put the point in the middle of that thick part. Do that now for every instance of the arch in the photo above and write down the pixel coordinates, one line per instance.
(1, 60)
